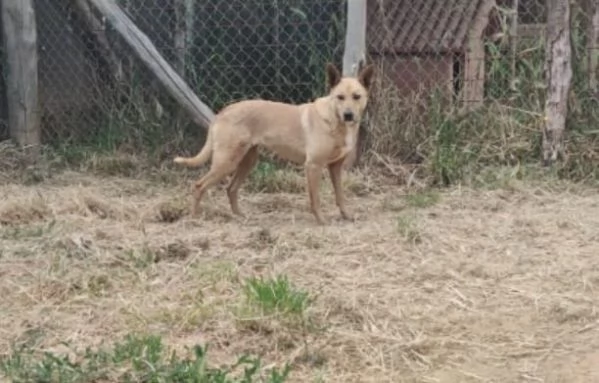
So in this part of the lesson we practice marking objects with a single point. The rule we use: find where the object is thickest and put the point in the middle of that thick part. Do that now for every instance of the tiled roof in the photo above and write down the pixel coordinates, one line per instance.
(413, 26)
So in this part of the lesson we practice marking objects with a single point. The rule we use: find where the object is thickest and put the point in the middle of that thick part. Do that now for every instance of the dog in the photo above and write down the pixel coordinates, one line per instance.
(317, 134)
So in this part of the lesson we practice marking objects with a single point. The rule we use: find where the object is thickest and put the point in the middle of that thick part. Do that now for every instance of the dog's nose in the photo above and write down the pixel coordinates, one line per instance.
(348, 116)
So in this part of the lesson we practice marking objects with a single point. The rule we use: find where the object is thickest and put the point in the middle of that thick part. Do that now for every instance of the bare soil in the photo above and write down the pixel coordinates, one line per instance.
(481, 286)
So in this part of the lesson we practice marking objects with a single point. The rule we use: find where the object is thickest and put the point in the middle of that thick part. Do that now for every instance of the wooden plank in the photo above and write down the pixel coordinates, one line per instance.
(354, 55)
(147, 52)
(20, 41)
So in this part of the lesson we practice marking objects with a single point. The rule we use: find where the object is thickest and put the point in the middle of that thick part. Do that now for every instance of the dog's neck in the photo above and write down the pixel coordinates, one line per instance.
(323, 108)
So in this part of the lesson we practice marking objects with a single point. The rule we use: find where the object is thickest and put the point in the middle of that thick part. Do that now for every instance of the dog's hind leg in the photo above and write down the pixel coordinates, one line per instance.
(223, 164)
(335, 170)
(243, 171)
(200, 187)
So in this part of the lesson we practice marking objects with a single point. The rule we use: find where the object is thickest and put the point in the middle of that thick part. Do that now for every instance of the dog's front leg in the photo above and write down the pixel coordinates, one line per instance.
(335, 171)
(313, 175)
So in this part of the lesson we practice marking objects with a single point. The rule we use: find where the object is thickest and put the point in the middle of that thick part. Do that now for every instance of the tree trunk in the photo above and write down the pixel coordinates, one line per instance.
(20, 39)
(558, 69)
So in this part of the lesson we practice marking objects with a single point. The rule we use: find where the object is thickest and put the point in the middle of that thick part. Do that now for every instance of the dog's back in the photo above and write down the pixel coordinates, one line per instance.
(274, 125)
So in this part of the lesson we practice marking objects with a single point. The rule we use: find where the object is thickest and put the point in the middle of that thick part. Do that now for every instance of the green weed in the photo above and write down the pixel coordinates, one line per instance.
(423, 199)
(406, 226)
(268, 177)
(136, 359)
(276, 296)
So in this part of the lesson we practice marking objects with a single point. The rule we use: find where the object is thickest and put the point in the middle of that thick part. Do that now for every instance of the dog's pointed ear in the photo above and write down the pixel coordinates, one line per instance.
(333, 75)
(366, 76)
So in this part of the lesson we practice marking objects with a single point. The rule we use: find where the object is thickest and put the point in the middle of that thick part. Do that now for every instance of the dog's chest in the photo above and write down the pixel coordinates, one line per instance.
(349, 139)
(344, 145)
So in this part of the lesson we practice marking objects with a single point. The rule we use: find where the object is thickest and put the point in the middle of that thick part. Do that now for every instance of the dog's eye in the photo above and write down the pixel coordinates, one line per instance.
(356, 96)
(340, 97)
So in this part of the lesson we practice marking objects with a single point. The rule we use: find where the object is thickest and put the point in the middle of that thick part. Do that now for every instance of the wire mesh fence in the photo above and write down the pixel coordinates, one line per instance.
(93, 88)
(3, 101)
(469, 53)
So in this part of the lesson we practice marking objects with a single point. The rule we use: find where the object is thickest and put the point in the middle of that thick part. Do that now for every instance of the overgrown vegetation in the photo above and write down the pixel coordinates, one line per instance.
(448, 145)
(135, 359)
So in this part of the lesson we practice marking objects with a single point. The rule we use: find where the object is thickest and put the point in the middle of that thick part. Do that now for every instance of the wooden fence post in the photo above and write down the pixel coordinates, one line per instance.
(354, 55)
(20, 41)
(591, 11)
(558, 69)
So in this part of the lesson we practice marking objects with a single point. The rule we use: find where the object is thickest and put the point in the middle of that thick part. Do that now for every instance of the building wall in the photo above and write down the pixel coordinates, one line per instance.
(417, 75)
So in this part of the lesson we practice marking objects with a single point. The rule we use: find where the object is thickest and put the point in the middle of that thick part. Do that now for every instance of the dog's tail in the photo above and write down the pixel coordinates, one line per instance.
(201, 157)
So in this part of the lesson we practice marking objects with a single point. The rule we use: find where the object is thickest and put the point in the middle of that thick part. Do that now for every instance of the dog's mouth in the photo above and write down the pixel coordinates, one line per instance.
(348, 117)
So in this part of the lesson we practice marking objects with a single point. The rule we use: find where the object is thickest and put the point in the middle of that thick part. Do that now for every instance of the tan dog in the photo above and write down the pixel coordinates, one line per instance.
(317, 134)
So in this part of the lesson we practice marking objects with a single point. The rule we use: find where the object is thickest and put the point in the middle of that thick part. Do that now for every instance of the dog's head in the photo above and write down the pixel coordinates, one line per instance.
(349, 94)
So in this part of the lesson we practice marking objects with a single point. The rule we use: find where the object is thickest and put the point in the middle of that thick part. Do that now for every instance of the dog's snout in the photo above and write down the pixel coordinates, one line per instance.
(348, 116)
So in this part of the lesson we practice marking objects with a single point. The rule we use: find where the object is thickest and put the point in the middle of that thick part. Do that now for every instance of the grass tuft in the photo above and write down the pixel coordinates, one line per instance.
(423, 199)
(136, 359)
(276, 296)
(268, 177)
(406, 225)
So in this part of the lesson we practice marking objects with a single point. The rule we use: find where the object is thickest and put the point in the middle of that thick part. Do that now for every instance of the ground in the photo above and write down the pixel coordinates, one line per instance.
(459, 285)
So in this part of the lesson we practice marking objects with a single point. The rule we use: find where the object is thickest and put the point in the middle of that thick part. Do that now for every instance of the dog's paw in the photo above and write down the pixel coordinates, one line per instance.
(348, 217)
(240, 218)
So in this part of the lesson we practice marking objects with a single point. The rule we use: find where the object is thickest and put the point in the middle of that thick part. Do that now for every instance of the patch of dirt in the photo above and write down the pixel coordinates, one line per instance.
(500, 287)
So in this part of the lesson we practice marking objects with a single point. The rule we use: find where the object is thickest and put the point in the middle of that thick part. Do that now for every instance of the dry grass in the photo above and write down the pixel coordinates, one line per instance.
(464, 286)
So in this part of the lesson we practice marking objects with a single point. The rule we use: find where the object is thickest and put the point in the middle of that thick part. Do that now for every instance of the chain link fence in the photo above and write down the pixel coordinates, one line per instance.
(469, 53)
(3, 102)
(93, 90)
